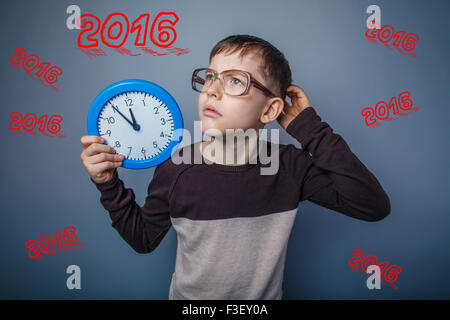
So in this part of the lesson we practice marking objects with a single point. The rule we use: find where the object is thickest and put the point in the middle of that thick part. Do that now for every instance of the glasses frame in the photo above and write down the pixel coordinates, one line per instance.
(250, 81)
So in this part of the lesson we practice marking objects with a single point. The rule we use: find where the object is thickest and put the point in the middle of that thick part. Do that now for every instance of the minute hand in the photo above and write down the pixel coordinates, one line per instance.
(131, 123)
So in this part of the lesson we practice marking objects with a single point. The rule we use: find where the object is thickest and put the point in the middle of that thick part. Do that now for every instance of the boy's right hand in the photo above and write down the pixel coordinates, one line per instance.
(99, 159)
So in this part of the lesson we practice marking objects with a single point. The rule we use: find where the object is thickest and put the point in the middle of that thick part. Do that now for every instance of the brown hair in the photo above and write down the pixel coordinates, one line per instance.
(274, 66)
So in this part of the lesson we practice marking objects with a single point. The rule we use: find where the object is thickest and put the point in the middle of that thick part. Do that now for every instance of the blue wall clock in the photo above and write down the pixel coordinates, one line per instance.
(139, 119)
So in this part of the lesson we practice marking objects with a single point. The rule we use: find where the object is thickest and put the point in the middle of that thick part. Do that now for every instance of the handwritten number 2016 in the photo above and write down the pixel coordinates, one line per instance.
(382, 108)
(45, 244)
(386, 33)
(390, 274)
(161, 36)
(31, 62)
(30, 121)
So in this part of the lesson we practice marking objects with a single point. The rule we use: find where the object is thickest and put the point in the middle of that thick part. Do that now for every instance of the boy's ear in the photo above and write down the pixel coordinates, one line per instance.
(272, 110)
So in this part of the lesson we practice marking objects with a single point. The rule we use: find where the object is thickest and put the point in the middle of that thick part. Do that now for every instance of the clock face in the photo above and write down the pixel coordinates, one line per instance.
(136, 124)
(139, 119)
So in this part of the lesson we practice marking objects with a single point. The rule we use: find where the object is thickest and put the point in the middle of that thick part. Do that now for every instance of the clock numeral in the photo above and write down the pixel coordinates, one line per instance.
(111, 120)
(163, 121)
(162, 134)
(129, 152)
(108, 132)
(117, 144)
(128, 102)
(155, 145)
(156, 110)
(143, 102)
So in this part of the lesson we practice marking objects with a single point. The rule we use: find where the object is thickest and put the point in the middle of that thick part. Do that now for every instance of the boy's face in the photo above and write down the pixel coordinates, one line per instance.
(242, 112)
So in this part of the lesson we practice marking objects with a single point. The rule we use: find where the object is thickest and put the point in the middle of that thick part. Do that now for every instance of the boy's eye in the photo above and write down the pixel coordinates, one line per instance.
(234, 81)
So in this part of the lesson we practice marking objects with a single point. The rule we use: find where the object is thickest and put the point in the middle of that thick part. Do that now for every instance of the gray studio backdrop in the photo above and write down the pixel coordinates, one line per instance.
(45, 188)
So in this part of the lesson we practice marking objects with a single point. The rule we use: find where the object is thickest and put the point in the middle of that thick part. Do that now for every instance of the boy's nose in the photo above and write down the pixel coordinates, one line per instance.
(215, 88)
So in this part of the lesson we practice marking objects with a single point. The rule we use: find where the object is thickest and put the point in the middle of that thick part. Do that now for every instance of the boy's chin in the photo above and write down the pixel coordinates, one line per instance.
(212, 131)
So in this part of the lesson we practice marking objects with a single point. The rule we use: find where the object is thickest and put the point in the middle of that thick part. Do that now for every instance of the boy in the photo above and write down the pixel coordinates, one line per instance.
(233, 223)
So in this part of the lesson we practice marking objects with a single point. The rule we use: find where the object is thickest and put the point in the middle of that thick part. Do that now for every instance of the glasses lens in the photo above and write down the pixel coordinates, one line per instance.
(235, 82)
(203, 78)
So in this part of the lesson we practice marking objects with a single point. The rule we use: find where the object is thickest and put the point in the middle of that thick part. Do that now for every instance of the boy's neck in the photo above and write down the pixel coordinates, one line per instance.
(223, 150)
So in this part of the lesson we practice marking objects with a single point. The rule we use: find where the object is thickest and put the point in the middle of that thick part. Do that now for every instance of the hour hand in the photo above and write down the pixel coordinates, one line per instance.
(135, 124)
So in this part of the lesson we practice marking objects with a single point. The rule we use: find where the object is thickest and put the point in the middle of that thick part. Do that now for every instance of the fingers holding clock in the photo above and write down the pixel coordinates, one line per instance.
(95, 148)
(99, 159)
(100, 169)
(97, 152)
(86, 141)
(105, 157)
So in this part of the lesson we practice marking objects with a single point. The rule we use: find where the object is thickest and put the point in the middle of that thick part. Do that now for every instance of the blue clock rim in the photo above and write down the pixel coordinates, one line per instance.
(144, 86)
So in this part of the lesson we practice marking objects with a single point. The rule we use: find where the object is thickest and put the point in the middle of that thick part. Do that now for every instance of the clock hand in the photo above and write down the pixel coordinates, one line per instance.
(135, 124)
(132, 116)
(132, 124)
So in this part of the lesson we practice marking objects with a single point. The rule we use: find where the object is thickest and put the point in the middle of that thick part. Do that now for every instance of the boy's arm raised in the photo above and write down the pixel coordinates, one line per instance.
(142, 228)
(330, 174)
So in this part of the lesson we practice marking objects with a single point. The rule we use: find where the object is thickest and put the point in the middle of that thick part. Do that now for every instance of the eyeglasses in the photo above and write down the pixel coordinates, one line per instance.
(234, 82)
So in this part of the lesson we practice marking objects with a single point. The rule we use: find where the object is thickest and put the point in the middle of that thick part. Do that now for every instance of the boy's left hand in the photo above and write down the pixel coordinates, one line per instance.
(299, 101)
